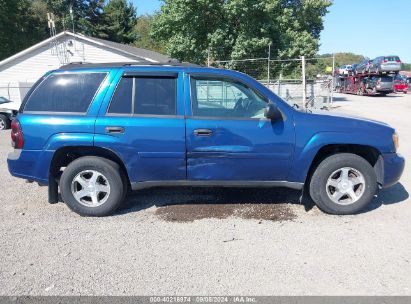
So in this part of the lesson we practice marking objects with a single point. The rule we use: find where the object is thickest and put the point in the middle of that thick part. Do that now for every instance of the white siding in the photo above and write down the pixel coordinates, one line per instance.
(30, 67)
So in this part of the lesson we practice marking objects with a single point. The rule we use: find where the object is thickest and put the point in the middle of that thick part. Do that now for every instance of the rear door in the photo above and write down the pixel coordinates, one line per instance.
(142, 122)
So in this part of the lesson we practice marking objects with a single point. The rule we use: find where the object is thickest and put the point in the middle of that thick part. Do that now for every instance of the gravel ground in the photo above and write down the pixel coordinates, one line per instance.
(211, 241)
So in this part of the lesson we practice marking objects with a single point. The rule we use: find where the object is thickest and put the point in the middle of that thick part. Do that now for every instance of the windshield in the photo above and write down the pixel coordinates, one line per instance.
(3, 100)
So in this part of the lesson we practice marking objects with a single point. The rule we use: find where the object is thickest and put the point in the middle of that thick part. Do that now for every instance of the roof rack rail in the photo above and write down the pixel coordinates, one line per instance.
(175, 63)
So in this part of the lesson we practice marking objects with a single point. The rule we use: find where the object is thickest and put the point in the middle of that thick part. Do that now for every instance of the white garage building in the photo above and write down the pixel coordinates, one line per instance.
(20, 71)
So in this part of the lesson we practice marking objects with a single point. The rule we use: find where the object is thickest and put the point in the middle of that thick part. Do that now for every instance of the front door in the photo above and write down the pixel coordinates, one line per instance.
(228, 137)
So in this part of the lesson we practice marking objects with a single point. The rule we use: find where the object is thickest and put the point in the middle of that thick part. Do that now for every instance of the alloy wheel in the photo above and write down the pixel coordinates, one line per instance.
(90, 188)
(345, 186)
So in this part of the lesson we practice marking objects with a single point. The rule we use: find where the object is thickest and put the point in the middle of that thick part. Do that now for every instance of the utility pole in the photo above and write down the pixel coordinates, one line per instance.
(332, 82)
(268, 65)
(303, 78)
(208, 57)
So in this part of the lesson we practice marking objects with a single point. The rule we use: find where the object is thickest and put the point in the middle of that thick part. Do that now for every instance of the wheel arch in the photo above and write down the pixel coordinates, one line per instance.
(371, 154)
(63, 156)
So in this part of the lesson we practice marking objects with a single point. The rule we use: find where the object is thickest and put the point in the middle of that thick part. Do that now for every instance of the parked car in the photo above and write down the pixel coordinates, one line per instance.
(386, 64)
(8, 110)
(400, 84)
(363, 67)
(95, 131)
(380, 84)
(409, 83)
(345, 69)
(353, 67)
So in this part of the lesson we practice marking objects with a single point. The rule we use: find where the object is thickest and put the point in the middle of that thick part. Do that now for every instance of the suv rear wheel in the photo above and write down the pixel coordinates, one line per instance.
(92, 186)
(343, 183)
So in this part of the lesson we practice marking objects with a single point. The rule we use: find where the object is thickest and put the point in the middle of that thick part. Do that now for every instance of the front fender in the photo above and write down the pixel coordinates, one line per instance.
(306, 150)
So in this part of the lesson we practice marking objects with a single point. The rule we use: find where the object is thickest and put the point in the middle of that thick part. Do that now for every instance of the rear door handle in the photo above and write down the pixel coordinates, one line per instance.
(115, 130)
(202, 132)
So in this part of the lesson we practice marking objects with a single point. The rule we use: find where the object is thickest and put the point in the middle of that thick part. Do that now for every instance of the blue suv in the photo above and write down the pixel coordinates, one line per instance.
(94, 132)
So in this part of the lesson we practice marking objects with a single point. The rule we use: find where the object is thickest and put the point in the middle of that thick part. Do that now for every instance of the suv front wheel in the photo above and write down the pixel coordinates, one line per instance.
(343, 183)
(92, 186)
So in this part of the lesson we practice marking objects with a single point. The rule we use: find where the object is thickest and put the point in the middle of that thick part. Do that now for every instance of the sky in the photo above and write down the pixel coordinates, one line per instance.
(366, 27)
(146, 6)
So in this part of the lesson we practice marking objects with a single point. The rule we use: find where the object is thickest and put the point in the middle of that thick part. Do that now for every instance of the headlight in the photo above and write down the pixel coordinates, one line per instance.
(395, 140)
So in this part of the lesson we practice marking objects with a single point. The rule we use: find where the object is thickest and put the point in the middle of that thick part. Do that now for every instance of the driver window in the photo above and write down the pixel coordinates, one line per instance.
(225, 98)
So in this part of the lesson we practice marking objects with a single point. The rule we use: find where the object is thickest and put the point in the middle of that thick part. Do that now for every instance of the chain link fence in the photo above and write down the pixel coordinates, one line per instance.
(305, 82)
(15, 91)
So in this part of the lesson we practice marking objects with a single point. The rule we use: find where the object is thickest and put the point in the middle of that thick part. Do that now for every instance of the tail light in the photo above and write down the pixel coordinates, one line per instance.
(385, 60)
(17, 139)
(399, 61)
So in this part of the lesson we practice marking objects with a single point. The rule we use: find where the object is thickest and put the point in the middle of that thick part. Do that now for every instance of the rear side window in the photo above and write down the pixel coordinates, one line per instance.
(155, 96)
(145, 95)
(70, 93)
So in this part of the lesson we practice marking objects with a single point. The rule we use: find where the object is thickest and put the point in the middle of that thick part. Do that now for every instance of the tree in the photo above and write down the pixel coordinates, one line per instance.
(86, 14)
(406, 66)
(237, 29)
(20, 26)
(119, 19)
(142, 31)
(324, 61)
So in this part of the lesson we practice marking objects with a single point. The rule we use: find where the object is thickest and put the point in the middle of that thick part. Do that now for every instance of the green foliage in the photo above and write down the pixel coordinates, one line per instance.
(119, 19)
(24, 22)
(19, 26)
(319, 66)
(86, 14)
(406, 66)
(236, 29)
(143, 32)
(347, 58)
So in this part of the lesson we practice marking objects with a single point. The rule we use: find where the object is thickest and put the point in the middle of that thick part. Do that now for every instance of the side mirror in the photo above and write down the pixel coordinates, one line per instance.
(272, 112)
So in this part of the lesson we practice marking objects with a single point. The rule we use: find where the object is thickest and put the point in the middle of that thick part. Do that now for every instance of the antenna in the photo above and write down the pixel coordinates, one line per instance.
(58, 49)
(51, 24)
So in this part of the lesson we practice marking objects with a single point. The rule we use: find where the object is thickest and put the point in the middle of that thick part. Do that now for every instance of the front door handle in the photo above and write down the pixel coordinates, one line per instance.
(202, 132)
(115, 130)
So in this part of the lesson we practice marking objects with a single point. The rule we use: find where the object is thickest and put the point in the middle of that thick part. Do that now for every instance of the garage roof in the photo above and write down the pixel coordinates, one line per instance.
(140, 54)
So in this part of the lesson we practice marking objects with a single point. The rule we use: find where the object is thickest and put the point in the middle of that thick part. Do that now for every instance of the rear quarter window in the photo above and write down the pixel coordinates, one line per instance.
(392, 58)
(66, 93)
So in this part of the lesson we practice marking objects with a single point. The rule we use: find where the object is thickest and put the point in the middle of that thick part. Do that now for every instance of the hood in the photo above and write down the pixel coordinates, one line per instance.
(10, 106)
(349, 117)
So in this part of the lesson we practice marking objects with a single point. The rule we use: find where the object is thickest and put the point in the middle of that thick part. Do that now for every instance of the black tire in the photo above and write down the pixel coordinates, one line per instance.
(318, 182)
(110, 171)
(4, 122)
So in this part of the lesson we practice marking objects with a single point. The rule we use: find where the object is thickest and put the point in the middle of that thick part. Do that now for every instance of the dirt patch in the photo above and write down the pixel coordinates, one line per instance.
(192, 212)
